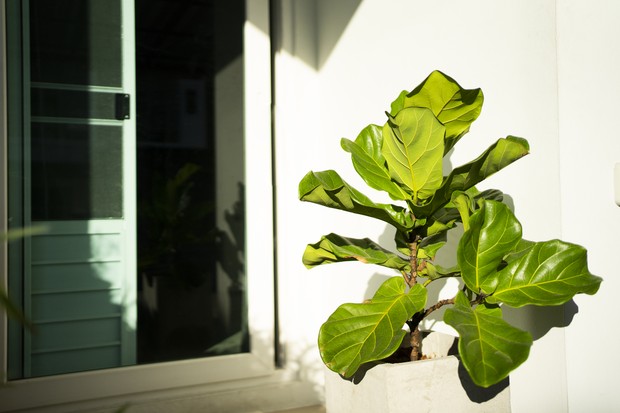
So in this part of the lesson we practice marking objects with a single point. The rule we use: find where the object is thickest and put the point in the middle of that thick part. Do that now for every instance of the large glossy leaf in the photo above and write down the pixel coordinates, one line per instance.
(519, 251)
(464, 205)
(445, 218)
(499, 155)
(358, 333)
(329, 189)
(455, 107)
(489, 347)
(334, 248)
(494, 232)
(545, 273)
(413, 149)
(369, 162)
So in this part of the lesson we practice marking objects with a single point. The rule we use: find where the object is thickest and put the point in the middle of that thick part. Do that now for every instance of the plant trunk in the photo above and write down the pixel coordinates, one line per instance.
(416, 344)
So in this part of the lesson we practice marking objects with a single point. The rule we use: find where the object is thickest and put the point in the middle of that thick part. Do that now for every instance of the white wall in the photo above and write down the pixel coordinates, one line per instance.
(296, 129)
(340, 66)
(589, 63)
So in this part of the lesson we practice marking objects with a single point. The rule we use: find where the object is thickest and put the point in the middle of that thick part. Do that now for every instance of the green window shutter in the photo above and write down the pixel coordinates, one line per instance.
(77, 179)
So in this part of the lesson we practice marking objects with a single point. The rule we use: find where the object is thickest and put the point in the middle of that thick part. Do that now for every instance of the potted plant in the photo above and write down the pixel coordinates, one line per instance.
(495, 265)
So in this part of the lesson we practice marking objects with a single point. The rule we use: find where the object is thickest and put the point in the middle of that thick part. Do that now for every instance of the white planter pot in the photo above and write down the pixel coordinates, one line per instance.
(435, 385)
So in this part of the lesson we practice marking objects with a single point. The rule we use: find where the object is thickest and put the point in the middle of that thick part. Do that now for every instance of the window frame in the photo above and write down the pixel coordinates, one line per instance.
(236, 371)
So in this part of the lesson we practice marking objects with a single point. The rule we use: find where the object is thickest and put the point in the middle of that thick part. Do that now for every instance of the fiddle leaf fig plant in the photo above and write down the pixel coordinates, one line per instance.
(496, 266)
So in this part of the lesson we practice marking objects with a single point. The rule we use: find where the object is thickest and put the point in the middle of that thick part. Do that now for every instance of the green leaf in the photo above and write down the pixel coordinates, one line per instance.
(12, 310)
(450, 214)
(426, 249)
(18, 233)
(413, 149)
(499, 155)
(334, 248)
(183, 176)
(519, 251)
(489, 347)
(429, 250)
(369, 162)
(358, 333)
(463, 205)
(327, 188)
(434, 271)
(494, 232)
(545, 273)
(455, 107)
(401, 239)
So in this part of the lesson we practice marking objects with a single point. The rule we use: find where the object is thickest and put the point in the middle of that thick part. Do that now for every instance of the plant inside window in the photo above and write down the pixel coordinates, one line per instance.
(496, 266)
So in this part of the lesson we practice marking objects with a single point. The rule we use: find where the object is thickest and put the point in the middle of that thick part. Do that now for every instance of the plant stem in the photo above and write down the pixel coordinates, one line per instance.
(413, 261)
(437, 306)
(414, 325)
(416, 344)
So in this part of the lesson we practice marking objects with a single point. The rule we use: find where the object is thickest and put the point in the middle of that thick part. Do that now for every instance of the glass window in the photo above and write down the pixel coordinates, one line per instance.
(126, 144)
(190, 170)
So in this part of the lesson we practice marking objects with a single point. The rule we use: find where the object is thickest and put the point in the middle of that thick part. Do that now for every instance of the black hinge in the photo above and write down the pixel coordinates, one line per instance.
(122, 106)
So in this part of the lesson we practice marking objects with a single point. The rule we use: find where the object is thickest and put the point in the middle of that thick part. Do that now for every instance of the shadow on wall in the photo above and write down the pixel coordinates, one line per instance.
(315, 29)
(538, 320)
(304, 361)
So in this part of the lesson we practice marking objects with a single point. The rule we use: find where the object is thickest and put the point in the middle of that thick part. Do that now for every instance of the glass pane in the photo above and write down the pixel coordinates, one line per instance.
(190, 206)
(76, 42)
(72, 104)
(76, 171)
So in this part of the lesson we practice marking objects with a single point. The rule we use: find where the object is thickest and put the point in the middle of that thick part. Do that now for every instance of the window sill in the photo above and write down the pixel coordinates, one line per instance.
(276, 392)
